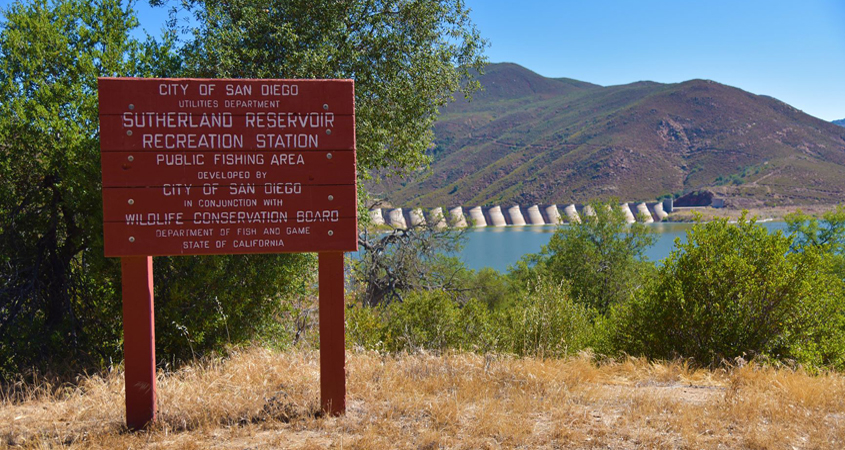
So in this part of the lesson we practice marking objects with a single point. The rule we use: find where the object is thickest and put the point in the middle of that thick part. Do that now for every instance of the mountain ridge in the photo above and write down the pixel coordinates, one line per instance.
(529, 139)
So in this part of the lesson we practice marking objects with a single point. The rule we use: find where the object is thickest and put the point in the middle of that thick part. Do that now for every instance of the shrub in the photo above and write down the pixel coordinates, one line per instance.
(394, 263)
(827, 235)
(545, 322)
(601, 257)
(489, 286)
(365, 327)
(428, 320)
(736, 290)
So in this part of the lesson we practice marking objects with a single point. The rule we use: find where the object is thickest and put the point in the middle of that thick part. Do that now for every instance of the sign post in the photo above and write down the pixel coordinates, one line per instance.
(226, 166)
(139, 340)
(332, 336)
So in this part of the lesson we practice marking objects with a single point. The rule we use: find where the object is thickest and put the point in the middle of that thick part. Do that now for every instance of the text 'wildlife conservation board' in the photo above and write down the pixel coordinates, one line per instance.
(216, 166)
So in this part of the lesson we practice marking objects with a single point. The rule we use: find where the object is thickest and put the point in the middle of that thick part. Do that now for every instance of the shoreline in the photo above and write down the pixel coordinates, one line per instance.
(772, 213)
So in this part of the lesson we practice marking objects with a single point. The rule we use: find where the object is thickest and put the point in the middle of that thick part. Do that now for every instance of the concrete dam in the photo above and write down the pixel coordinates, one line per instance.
(498, 216)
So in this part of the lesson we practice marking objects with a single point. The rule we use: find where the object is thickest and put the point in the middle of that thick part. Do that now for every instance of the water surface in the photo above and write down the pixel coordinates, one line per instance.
(500, 247)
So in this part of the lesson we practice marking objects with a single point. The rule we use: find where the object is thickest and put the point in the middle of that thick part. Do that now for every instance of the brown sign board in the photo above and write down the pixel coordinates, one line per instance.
(187, 131)
(211, 166)
(141, 169)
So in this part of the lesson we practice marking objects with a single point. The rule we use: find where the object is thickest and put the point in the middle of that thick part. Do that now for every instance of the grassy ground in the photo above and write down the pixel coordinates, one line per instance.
(261, 399)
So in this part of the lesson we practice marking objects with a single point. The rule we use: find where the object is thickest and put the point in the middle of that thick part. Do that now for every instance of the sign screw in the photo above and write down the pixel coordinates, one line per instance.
(325, 106)
(131, 106)
(131, 238)
(129, 132)
(131, 201)
(331, 233)
(331, 197)
(329, 155)
(328, 131)
(130, 158)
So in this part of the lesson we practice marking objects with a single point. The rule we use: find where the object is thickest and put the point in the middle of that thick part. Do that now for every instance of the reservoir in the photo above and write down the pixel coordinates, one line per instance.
(503, 246)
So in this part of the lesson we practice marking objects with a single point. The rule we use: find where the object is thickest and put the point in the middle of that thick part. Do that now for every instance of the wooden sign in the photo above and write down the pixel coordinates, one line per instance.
(317, 167)
(192, 131)
(193, 166)
(198, 166)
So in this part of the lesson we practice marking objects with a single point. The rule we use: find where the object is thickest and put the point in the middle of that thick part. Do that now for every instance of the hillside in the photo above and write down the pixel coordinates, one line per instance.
(529, 139)
(840, 122)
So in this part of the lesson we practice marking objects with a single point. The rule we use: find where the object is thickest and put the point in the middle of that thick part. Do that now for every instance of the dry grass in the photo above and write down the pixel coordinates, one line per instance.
(260, 399)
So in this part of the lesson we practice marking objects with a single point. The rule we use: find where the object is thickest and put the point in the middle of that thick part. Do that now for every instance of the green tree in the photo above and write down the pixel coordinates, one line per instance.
(59, 296)
(407, 59)
(57, 292)
(827, 235)
(736, 290)
(601, 257)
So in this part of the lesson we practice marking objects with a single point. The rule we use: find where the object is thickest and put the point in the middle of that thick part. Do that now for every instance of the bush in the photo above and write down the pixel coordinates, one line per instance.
(545, 322)
(394, 263)
(204, 303)
(601, 257)
(736, 290)
(365, 327)
(827, 235)
(428, 320)
(490, 286)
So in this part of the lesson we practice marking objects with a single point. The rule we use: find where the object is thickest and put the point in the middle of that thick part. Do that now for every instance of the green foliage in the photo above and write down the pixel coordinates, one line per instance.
(60, 300)
(394, 263)
(600, 257)
(365, 327)
(58, 296)
(545, 322)
(736, 290)
(489, 286)
(429, 320)
(407, 59)
(541, 322)
(738, 179)
(432, 320)
(826, 235)
(204, 303)
(731, 290)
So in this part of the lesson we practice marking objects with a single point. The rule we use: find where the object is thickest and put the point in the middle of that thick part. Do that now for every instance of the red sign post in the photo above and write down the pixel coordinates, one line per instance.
(215, 166)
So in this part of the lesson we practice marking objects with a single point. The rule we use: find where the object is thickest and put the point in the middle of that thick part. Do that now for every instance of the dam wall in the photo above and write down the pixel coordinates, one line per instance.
(509, 215)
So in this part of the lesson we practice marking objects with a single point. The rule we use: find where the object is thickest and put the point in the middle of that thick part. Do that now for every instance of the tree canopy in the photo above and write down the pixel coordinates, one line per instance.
(54, 296)
(601, 256)
(59, 297)
(407, 59)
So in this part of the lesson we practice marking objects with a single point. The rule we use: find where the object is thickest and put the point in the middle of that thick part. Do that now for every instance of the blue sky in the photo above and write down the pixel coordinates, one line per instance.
(792, 50)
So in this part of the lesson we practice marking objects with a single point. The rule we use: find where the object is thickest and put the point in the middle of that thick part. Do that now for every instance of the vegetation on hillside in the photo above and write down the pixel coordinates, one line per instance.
(529, 140)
